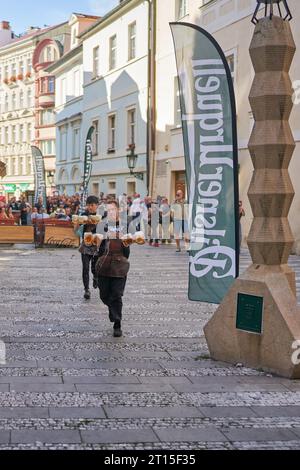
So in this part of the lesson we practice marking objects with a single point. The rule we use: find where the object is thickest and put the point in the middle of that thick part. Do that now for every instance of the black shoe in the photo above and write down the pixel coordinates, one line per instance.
(95, 283)
(87, 294)
(117, 330)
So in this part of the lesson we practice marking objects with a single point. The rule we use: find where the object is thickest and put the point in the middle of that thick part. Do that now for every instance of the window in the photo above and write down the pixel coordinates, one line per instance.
(14, 135)
(231, 63)
(177, 108)
(95, 189)
(74, 36)
(48, 147)
(96, 62)
(132, 41)
(13, 101)
(112, 132)
(21, 99)
(47, 117)
(131, 188)
(51, 85)
(181, 8)
(29, 98)
(76, 143)
(63, 144)
(21, 132)
(6, 104)
(14, 70)
(29, 65)
(6, 136)
(23, 166)
(113, 52)
(95, 138)
(6, 71)
(21, 68)
(29, 133)
(112, 186)
(131, 123)
(14, 166)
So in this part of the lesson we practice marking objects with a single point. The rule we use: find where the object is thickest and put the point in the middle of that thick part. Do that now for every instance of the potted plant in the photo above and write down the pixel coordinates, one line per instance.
(20, 76)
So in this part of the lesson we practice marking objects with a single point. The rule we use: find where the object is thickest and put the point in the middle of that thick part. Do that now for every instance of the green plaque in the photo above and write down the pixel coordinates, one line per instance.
(249, 313)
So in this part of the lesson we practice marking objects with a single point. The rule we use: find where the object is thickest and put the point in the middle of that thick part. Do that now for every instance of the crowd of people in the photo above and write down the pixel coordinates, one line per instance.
(157, 218)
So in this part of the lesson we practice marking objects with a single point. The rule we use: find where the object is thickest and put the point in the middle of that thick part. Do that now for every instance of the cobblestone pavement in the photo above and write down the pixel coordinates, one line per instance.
(68, 384)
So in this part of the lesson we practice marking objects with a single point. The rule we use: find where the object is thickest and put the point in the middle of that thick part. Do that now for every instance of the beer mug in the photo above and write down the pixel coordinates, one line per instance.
(127, 240)
(95, 219)
(88, 239)
(139, 238)
(98, 239)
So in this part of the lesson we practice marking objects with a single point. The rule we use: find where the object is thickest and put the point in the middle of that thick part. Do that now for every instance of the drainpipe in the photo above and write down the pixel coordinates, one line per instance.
(151, 106)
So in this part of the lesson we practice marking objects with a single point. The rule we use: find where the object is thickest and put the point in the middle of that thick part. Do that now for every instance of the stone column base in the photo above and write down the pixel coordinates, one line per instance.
(272, 349)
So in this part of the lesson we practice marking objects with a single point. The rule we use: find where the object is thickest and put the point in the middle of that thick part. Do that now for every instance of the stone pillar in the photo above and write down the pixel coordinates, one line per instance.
(270, 240)
(271, 145)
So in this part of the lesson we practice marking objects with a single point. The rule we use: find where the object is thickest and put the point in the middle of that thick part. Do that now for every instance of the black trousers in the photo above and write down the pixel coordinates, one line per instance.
(111, 293)
(88, 260)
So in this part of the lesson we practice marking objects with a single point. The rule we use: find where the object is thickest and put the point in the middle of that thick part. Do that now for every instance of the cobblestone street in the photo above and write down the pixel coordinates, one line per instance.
(67, 384)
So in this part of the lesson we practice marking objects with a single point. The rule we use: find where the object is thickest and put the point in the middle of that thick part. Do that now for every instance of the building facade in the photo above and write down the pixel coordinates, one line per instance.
(27, 103)
(115, 97)
(229, 21)
(69, 75)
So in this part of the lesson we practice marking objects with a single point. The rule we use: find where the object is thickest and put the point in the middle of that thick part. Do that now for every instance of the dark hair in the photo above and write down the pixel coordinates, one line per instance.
(92, 200)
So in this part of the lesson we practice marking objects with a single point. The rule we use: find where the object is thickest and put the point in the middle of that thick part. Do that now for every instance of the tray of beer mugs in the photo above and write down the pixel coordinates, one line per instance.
(138, 238)
(85, 219)
(91, 239)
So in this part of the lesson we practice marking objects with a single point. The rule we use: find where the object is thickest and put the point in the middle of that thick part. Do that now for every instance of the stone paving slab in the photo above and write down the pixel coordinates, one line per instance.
(68, 384)
(227, 411)
(260, 435)
(23, 412)
(122, 412)
(47, 437)
(274, 411)
(4, 437)
(117, 437)
(82, 413)
(210, 434)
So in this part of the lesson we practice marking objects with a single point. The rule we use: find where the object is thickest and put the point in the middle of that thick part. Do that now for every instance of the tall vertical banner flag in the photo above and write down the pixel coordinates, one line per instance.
(39, 175)
(88, 165)
(210, 146)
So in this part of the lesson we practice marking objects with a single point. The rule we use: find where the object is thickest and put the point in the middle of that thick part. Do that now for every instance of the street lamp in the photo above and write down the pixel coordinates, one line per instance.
(132, 161)
(269, 9)
(51, 175)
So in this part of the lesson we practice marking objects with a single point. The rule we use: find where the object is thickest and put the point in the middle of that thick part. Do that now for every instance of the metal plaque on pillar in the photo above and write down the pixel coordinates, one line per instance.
(249, 313)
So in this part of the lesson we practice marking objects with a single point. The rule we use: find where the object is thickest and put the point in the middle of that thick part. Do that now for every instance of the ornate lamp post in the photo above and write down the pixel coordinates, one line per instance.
(258, 323)
(132, 159)
(269, 9)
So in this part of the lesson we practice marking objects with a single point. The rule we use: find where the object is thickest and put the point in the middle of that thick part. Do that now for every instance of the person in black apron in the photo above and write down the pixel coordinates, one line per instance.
(113, 266)
(89, 254)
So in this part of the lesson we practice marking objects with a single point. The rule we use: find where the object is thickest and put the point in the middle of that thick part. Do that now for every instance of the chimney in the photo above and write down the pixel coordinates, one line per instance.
(6, 34)
(4, 26)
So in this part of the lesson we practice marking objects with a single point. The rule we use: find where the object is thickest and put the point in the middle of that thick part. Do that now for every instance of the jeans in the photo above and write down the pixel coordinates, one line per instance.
(111, 293)
(86, 261)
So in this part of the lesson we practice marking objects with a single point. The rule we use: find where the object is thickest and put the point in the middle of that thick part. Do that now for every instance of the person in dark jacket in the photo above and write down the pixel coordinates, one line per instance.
(113, 266)
(89, 254)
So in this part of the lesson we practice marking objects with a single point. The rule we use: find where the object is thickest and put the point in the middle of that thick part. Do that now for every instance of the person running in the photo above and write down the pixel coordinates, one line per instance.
(88, 253)
(113, 266)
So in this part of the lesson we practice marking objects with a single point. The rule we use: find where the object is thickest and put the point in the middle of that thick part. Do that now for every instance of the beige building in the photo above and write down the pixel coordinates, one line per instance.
(229, 21)
(27, 101)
